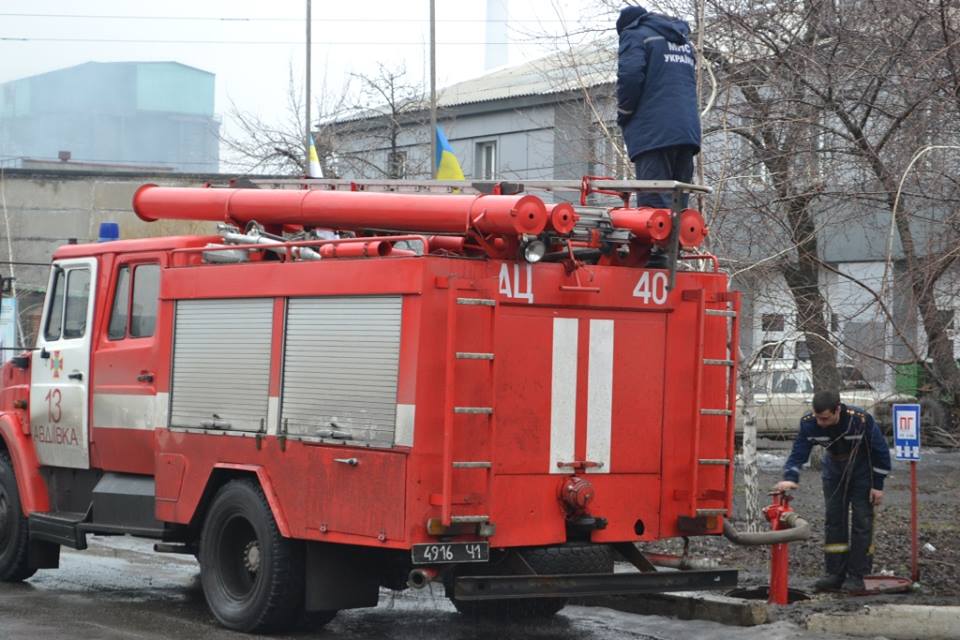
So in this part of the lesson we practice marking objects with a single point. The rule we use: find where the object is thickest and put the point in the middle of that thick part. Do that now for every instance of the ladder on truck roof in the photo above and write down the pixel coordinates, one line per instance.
(586, 186)
(703, 457)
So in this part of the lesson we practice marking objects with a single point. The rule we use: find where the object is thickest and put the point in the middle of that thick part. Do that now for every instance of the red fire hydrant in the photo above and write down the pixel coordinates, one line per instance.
(779, 556)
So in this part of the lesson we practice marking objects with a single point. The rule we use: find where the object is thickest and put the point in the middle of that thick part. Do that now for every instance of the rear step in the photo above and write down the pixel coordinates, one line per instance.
(62, 528)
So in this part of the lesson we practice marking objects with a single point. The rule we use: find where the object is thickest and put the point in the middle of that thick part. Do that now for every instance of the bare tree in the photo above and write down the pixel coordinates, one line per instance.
(390, 113)
(256, 144)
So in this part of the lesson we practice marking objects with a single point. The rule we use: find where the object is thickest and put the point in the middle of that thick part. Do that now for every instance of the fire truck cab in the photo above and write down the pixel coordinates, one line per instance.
(475, 389)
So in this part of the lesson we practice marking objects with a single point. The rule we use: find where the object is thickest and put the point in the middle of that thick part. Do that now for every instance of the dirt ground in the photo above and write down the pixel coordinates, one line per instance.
(938, 475)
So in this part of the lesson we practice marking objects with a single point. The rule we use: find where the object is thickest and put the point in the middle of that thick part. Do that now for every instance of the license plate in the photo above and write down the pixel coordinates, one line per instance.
(447, 552)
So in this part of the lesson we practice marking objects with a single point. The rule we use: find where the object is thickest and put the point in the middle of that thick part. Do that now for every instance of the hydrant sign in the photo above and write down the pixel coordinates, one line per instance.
(906, 431)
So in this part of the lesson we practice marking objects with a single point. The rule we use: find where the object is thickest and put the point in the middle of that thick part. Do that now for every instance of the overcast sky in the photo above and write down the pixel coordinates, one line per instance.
(252, 46)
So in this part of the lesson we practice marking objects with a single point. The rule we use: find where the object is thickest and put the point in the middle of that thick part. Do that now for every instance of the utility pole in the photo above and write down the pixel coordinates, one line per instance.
(306, 148)
(433, 89)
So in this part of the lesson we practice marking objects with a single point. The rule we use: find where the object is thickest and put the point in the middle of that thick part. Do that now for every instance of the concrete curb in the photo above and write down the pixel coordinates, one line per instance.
(688, 605)
(893, 621)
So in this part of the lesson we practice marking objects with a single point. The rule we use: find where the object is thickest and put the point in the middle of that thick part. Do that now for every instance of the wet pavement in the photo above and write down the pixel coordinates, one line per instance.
(119, 588)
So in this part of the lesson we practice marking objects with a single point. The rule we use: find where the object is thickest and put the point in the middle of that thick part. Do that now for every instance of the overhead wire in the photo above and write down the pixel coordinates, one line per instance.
(364, 19)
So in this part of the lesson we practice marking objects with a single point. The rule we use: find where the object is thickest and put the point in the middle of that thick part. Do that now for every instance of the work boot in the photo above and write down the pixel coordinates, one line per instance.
(854, 584)
(829, 582)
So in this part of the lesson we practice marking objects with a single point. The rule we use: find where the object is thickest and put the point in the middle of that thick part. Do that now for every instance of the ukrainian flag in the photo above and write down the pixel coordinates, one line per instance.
(447, 166)
(314, 170)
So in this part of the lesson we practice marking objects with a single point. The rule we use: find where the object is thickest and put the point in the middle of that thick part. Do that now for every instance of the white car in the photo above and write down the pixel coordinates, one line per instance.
(782, 392)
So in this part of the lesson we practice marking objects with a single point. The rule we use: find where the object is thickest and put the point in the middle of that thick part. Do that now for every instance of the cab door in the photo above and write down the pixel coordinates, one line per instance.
(60, 368)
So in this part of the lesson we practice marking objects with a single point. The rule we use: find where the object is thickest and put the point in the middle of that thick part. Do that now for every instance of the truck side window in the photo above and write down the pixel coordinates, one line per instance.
(146, 289)
(78, 295)
(121, 304)
(55, 313)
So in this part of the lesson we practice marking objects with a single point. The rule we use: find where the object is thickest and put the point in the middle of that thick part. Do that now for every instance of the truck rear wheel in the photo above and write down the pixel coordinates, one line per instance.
(252, 577)
(569, 558)
(14, 528)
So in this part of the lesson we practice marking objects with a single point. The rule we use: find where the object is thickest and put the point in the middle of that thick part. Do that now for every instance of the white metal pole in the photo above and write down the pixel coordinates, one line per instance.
(306, 148)
(433, 89)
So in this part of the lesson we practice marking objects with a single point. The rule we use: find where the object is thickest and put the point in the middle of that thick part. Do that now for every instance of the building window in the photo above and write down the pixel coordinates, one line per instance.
(771, 351)
(486, 160)
(397, 165)
(772, 322)
(611, 153)
(801, 351)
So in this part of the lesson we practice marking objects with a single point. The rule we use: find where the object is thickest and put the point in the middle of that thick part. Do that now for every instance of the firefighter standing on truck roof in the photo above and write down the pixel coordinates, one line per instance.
(657, 99)
(856, 463)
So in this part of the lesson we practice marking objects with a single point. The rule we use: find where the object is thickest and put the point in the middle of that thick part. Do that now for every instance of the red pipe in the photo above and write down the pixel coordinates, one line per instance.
(488, 214)
(693, 230)
(649, 225)
(446, 243)
(356, 249)
(779, 555)
(563, 218)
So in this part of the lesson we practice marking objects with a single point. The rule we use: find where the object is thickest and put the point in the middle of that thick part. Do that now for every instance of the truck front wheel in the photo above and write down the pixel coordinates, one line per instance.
(252, 577)
(14, 531)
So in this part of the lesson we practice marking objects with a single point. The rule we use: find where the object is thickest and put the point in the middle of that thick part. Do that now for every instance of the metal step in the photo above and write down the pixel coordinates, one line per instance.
(716, 461)
(469, 519)
(472, 465)
(722, 363)
(483, 302)
(721, 312)
(716, 412)
(469, 355)
(483, 410)
(711, 512)
(61, 528)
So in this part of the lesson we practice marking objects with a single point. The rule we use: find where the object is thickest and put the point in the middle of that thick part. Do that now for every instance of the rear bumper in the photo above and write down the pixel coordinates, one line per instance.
(570, 585)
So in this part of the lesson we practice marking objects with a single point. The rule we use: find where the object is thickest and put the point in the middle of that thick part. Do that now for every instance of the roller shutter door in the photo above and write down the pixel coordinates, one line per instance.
(340, 369)
(221, 364)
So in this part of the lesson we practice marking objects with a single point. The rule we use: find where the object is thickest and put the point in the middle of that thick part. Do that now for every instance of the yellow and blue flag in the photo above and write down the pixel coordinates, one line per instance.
(314, 170)
(447, 166)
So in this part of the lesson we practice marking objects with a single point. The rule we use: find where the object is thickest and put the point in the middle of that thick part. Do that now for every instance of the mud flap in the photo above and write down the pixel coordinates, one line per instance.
(339, 577)
(44, 555)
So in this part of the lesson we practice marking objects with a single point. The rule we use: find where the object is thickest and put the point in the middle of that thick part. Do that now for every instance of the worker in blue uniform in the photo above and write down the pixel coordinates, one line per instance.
(657, 99)
(855, 464)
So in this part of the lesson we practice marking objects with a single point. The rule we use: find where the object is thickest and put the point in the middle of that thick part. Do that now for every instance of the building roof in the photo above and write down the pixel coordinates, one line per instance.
(91, 64)
(556, 73)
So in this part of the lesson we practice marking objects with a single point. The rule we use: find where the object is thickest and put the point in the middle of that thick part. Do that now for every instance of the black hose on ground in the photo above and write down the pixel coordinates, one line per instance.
(797, 529)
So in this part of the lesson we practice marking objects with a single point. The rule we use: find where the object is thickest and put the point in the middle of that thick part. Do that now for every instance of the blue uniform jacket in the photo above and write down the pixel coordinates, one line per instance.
(855, 443)
(656, 82)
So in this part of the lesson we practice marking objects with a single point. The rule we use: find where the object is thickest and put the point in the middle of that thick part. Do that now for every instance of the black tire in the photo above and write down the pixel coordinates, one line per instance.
(252, 577)
(14, 528)
(569, 558)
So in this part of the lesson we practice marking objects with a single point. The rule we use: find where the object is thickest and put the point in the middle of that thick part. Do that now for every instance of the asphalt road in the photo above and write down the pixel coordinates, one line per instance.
(120, 589)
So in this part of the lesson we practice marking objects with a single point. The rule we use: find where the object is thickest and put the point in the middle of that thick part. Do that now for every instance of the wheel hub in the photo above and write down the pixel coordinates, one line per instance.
(251, 556)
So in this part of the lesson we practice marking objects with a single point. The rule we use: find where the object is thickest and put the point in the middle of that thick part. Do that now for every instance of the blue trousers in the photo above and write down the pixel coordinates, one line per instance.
(668, 163)
(848, 529)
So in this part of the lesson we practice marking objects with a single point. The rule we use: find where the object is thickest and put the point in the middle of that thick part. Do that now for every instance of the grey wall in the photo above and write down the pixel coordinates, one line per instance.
(45, 209)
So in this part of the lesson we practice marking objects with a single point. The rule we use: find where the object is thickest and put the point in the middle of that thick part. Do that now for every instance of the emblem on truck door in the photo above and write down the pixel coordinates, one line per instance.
(56, 364)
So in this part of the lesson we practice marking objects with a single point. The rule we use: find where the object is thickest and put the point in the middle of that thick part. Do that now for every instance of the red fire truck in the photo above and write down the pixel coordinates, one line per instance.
(349, 389)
